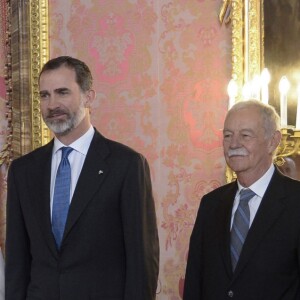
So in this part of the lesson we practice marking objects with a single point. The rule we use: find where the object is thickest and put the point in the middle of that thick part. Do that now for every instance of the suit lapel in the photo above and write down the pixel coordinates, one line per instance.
(41, 171)
(224, 217)
(93, 173)
(271, 207)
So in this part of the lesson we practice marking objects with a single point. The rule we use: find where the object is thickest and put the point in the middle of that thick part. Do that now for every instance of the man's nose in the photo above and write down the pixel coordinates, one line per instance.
(235, 141)
(52, 102)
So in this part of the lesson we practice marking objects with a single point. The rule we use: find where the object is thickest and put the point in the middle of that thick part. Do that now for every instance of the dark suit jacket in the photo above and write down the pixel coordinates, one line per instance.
(110, 246)
(269, 265)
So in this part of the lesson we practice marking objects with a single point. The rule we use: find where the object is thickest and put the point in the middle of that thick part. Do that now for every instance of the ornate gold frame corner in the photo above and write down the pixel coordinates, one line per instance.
(39, 47)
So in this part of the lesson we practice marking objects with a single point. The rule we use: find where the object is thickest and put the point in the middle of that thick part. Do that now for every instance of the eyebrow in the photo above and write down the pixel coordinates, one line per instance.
(63, 89)
(58, 90)
(43, 93)
(240, 130)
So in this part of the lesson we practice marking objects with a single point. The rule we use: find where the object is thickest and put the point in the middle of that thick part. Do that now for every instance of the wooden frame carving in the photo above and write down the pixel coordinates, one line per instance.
(29, 51)
(39, 45)
(247, 40)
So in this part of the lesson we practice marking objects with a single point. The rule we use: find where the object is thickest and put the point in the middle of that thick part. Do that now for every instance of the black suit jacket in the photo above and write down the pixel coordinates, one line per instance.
(110, 246)
(269, 265)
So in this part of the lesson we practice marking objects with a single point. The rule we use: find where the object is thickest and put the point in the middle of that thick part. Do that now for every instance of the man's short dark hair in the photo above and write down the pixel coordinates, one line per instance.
(83, 74)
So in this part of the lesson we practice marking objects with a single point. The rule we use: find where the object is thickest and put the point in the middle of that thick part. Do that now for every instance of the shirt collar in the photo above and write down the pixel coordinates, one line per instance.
(80, 145)
(259, 187)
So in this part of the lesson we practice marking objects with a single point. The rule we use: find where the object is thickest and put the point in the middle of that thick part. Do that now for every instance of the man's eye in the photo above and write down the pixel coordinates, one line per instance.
(43, 96)
(246, 136)
(226, 135)
(63, 92)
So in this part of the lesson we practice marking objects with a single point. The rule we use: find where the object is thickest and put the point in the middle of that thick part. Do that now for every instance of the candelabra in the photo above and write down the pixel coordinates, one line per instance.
(289, 145)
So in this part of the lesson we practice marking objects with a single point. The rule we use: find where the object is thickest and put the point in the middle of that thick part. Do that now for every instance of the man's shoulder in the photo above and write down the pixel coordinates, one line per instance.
(221, 195)
(35, 155)
(115, 147)
(223, 189)
(284, 181)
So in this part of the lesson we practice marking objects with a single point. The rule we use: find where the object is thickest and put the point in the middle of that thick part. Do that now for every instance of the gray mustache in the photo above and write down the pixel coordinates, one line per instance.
(239, 151)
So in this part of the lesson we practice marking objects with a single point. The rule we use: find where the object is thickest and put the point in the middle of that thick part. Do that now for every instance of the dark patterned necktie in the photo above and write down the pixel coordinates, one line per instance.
(240, 226)
(61, 196)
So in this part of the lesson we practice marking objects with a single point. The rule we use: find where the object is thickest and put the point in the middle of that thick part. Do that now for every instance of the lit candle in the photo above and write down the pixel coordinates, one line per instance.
(246, 91)
(298, 108)
(255, 87)
(284, 86)
(232, 90)
(265, 80)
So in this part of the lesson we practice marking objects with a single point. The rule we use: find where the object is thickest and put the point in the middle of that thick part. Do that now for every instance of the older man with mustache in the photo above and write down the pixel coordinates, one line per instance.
(245, 243)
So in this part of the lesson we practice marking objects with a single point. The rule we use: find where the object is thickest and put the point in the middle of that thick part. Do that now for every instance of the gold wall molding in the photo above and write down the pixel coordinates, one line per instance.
(6, 153)
(237, 41)
(254, 45)
(29, 51)
(39, 45)
(247, 40)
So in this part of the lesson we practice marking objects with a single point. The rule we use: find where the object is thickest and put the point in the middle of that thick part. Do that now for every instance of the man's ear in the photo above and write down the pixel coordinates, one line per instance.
(90, 96)
(275, 140)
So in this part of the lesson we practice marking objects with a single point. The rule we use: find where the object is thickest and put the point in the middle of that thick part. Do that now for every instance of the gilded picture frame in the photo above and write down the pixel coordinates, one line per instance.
(29, 51)
(39, 45)
(247, 40)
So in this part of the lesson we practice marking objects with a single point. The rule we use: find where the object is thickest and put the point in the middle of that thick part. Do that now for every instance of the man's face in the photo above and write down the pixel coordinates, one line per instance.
(62, 102)
(247, 150)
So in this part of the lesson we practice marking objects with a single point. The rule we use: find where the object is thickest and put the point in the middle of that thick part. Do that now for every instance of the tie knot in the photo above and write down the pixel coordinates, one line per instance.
(65, 151)
(246, 195)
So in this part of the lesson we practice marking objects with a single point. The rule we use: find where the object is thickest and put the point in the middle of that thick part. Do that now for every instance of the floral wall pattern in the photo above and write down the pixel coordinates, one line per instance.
(160, 68)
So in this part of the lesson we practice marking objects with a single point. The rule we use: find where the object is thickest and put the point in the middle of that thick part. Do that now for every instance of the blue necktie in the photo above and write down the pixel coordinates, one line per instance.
(240, 226)
(61, 196)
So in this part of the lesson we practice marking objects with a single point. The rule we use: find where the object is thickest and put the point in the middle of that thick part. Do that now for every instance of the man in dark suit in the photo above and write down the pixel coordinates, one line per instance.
(227, 259)
(104, 245)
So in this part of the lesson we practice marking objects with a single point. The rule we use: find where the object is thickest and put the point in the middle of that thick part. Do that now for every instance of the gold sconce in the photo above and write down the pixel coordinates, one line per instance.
(289, 145)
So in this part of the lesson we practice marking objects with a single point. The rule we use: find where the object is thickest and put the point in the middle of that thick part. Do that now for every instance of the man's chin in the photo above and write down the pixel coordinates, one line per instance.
(236, 164)
(59, 128)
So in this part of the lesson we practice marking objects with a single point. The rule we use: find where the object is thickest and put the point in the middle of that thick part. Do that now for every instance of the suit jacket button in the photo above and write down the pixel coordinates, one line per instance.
(230, 294)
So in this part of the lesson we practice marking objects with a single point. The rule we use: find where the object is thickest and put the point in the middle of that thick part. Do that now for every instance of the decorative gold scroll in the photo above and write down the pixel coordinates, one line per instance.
(39, 43)
(237, 42)
(247, 40)
(254, 45)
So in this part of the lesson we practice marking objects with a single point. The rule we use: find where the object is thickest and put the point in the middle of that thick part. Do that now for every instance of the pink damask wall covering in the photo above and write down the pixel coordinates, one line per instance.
(161, 69)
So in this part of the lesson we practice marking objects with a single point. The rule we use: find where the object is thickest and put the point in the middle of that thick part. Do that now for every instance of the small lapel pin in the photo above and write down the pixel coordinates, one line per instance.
(100, 172)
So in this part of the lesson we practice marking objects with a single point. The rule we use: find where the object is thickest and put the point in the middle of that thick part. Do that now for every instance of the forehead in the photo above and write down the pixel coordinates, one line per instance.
(244, 118)
(60, 77)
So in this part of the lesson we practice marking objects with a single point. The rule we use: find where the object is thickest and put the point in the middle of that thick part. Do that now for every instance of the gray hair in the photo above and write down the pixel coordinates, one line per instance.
(270, 117)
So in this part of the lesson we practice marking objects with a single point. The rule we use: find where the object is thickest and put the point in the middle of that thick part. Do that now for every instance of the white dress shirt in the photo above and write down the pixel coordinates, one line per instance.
(76, 159)
(259, 188)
